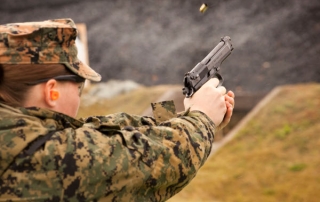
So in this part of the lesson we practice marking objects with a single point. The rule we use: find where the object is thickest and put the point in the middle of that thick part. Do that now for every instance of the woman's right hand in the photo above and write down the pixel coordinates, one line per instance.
(210, 100)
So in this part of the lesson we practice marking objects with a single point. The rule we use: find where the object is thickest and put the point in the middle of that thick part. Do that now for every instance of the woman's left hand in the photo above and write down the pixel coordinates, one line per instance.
(229, 100)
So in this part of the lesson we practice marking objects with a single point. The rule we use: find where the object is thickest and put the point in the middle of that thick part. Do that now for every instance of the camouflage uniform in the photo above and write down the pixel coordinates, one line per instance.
(49, 156)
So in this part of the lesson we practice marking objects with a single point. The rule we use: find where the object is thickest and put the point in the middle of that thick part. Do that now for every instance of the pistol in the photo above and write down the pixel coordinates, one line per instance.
(208, 68)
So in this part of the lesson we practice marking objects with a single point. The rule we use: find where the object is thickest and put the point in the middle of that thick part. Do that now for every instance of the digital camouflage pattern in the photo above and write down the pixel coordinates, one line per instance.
(118, 157)
(46, 42)
(163, 111)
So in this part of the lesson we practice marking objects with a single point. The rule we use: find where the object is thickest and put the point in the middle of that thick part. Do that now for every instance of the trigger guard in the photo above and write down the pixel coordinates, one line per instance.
(218, 76)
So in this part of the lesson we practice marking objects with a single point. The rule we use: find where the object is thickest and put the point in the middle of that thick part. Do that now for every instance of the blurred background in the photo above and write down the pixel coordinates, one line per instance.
(142, 49)
(155, 42)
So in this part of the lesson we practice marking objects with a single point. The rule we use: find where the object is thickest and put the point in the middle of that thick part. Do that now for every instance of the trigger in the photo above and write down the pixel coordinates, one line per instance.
(220, 79)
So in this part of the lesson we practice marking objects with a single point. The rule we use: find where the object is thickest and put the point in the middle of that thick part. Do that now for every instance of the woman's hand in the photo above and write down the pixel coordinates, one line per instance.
(212, 101)
(229, 100)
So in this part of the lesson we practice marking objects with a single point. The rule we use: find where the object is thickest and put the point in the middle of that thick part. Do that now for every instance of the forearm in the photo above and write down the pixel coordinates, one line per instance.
(165, 156)
(173, 152)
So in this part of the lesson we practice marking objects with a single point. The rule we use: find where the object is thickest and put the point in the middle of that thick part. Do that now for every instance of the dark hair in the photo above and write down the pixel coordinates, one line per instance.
(13, 79)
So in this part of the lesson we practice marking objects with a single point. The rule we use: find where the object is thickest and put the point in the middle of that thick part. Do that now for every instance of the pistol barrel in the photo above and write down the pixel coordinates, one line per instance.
(219, 53)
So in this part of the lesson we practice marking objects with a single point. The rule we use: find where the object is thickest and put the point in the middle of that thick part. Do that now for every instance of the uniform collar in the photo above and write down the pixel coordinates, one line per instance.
(41, 113)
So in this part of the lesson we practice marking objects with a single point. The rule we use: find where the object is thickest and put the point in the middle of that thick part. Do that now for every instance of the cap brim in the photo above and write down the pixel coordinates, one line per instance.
(84, 71)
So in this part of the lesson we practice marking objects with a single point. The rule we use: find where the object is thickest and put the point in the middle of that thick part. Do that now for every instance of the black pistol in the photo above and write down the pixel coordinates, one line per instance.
(208, 68)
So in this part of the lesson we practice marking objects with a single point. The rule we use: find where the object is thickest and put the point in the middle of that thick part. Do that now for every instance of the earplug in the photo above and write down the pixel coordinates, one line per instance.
(54, 95)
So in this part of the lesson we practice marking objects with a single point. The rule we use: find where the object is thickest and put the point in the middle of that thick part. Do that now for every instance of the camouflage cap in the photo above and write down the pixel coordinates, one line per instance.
(46, 42)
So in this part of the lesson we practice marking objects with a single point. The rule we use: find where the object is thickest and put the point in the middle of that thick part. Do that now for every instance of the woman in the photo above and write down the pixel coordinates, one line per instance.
(48, 155)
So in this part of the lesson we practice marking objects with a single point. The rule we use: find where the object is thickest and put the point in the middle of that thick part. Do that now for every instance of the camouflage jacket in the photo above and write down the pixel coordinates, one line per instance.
(48, 156)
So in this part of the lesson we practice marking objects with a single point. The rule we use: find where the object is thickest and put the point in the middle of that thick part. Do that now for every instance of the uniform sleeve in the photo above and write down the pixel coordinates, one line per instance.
(173, 152)
(132, 158)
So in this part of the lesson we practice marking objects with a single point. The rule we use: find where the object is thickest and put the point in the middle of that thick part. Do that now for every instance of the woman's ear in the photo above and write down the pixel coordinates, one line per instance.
(51, 93)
